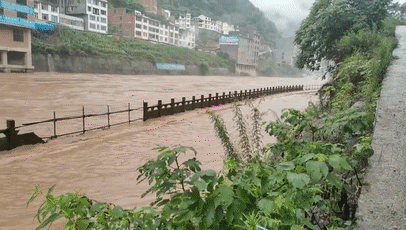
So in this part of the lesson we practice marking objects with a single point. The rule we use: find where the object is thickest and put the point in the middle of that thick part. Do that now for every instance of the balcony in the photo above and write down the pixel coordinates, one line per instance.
(16, 7)
(20, 22)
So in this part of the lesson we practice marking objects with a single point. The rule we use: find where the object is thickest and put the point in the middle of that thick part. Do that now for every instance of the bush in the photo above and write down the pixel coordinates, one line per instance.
(203, 69)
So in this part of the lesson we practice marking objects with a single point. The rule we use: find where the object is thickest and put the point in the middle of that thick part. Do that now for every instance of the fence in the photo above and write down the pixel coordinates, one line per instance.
(179, 107)
(13, 140)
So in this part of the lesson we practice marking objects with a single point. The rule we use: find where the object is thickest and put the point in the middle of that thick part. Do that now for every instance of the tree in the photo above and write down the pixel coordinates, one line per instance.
(329, 21)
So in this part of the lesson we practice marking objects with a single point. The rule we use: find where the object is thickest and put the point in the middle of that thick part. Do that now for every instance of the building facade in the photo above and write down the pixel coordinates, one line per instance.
(47, 11)
(243, 48)
(134, 24)
(16, 23)
(93, 13)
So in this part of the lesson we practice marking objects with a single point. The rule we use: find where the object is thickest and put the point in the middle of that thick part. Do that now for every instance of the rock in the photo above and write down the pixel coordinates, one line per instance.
(359, 105)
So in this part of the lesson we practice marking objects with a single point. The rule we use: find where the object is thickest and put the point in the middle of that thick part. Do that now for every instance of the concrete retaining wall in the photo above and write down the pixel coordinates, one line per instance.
(99, 65)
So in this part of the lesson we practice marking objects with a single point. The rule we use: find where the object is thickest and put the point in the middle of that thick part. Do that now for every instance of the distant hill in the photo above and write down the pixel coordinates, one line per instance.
(236, 12)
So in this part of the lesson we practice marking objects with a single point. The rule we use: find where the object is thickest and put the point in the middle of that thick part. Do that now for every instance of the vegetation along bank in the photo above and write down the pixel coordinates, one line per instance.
(310, 179)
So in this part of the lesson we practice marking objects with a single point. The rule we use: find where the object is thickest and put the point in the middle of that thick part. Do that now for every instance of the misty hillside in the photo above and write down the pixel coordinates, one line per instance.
(237, 12)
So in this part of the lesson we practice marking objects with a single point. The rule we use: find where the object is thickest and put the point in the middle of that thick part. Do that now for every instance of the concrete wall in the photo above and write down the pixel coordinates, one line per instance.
(99, 65)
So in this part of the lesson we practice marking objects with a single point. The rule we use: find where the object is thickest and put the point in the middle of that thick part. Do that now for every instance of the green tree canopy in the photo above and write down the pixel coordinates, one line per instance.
(330, 20)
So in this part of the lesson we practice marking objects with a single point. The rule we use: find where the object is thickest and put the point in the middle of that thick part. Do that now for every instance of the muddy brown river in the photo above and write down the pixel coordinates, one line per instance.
(102, 163)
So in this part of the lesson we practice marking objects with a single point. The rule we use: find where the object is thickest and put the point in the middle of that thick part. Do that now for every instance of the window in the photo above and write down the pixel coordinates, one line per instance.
(127, 11)
(35, 14)
(54, 18)
(22, 2)
(103, 28)
(138, 26)
(97, 18)
(121, 18)
(138, 18)
(95, 11)
(145, 35)
(97, 26)
(145, 28)
(93, 26)
(104, 5)
(89, 9)
(21, 15)
(102, 12)
(45, 16)
(92, 18)
(103, 20)
(166, 33)
(145, 20)
(44, 7)
(18, 36)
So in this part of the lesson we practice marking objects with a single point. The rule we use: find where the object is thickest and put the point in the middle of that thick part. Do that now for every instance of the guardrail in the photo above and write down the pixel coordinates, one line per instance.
(13, 140)
(182, 106)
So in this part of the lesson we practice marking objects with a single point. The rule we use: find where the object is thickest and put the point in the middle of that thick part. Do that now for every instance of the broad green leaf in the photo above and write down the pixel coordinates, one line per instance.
(200, 184)
(209, 215)
(223, 195)
(338, 162)
(321, 157)
(298, 180)
(344, 164)
(287, 166)
(96, 208)
(265, 205)
(317, 169)
(193, 165)
(334, 180)
(306, 157)
(334, 161)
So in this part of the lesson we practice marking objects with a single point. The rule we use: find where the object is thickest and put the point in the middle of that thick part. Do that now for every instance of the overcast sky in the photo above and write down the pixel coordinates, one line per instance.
(287, 14)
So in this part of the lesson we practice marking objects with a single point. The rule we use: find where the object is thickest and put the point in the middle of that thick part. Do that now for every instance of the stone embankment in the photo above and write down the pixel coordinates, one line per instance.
(100, 65)
(382, 204)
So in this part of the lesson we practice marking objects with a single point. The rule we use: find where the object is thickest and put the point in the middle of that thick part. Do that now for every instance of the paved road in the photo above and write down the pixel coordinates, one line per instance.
(382, 204)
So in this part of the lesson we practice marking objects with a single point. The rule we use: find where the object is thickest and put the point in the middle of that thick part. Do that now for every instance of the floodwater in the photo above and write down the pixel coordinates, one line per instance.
(102, 164)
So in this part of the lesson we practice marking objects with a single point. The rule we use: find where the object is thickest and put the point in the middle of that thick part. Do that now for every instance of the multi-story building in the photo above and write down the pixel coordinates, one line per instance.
(207, 23)
(72, 22)
(16, 23)
(46, 10)
(132, 23)
(93, 13)
(226, 28)
(243, 47)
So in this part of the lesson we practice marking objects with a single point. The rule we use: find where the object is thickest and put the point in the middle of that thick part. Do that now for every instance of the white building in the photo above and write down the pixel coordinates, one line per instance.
(72, 22)
(207, 23)
(46, 12)
(93, 13)
(226, 28)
